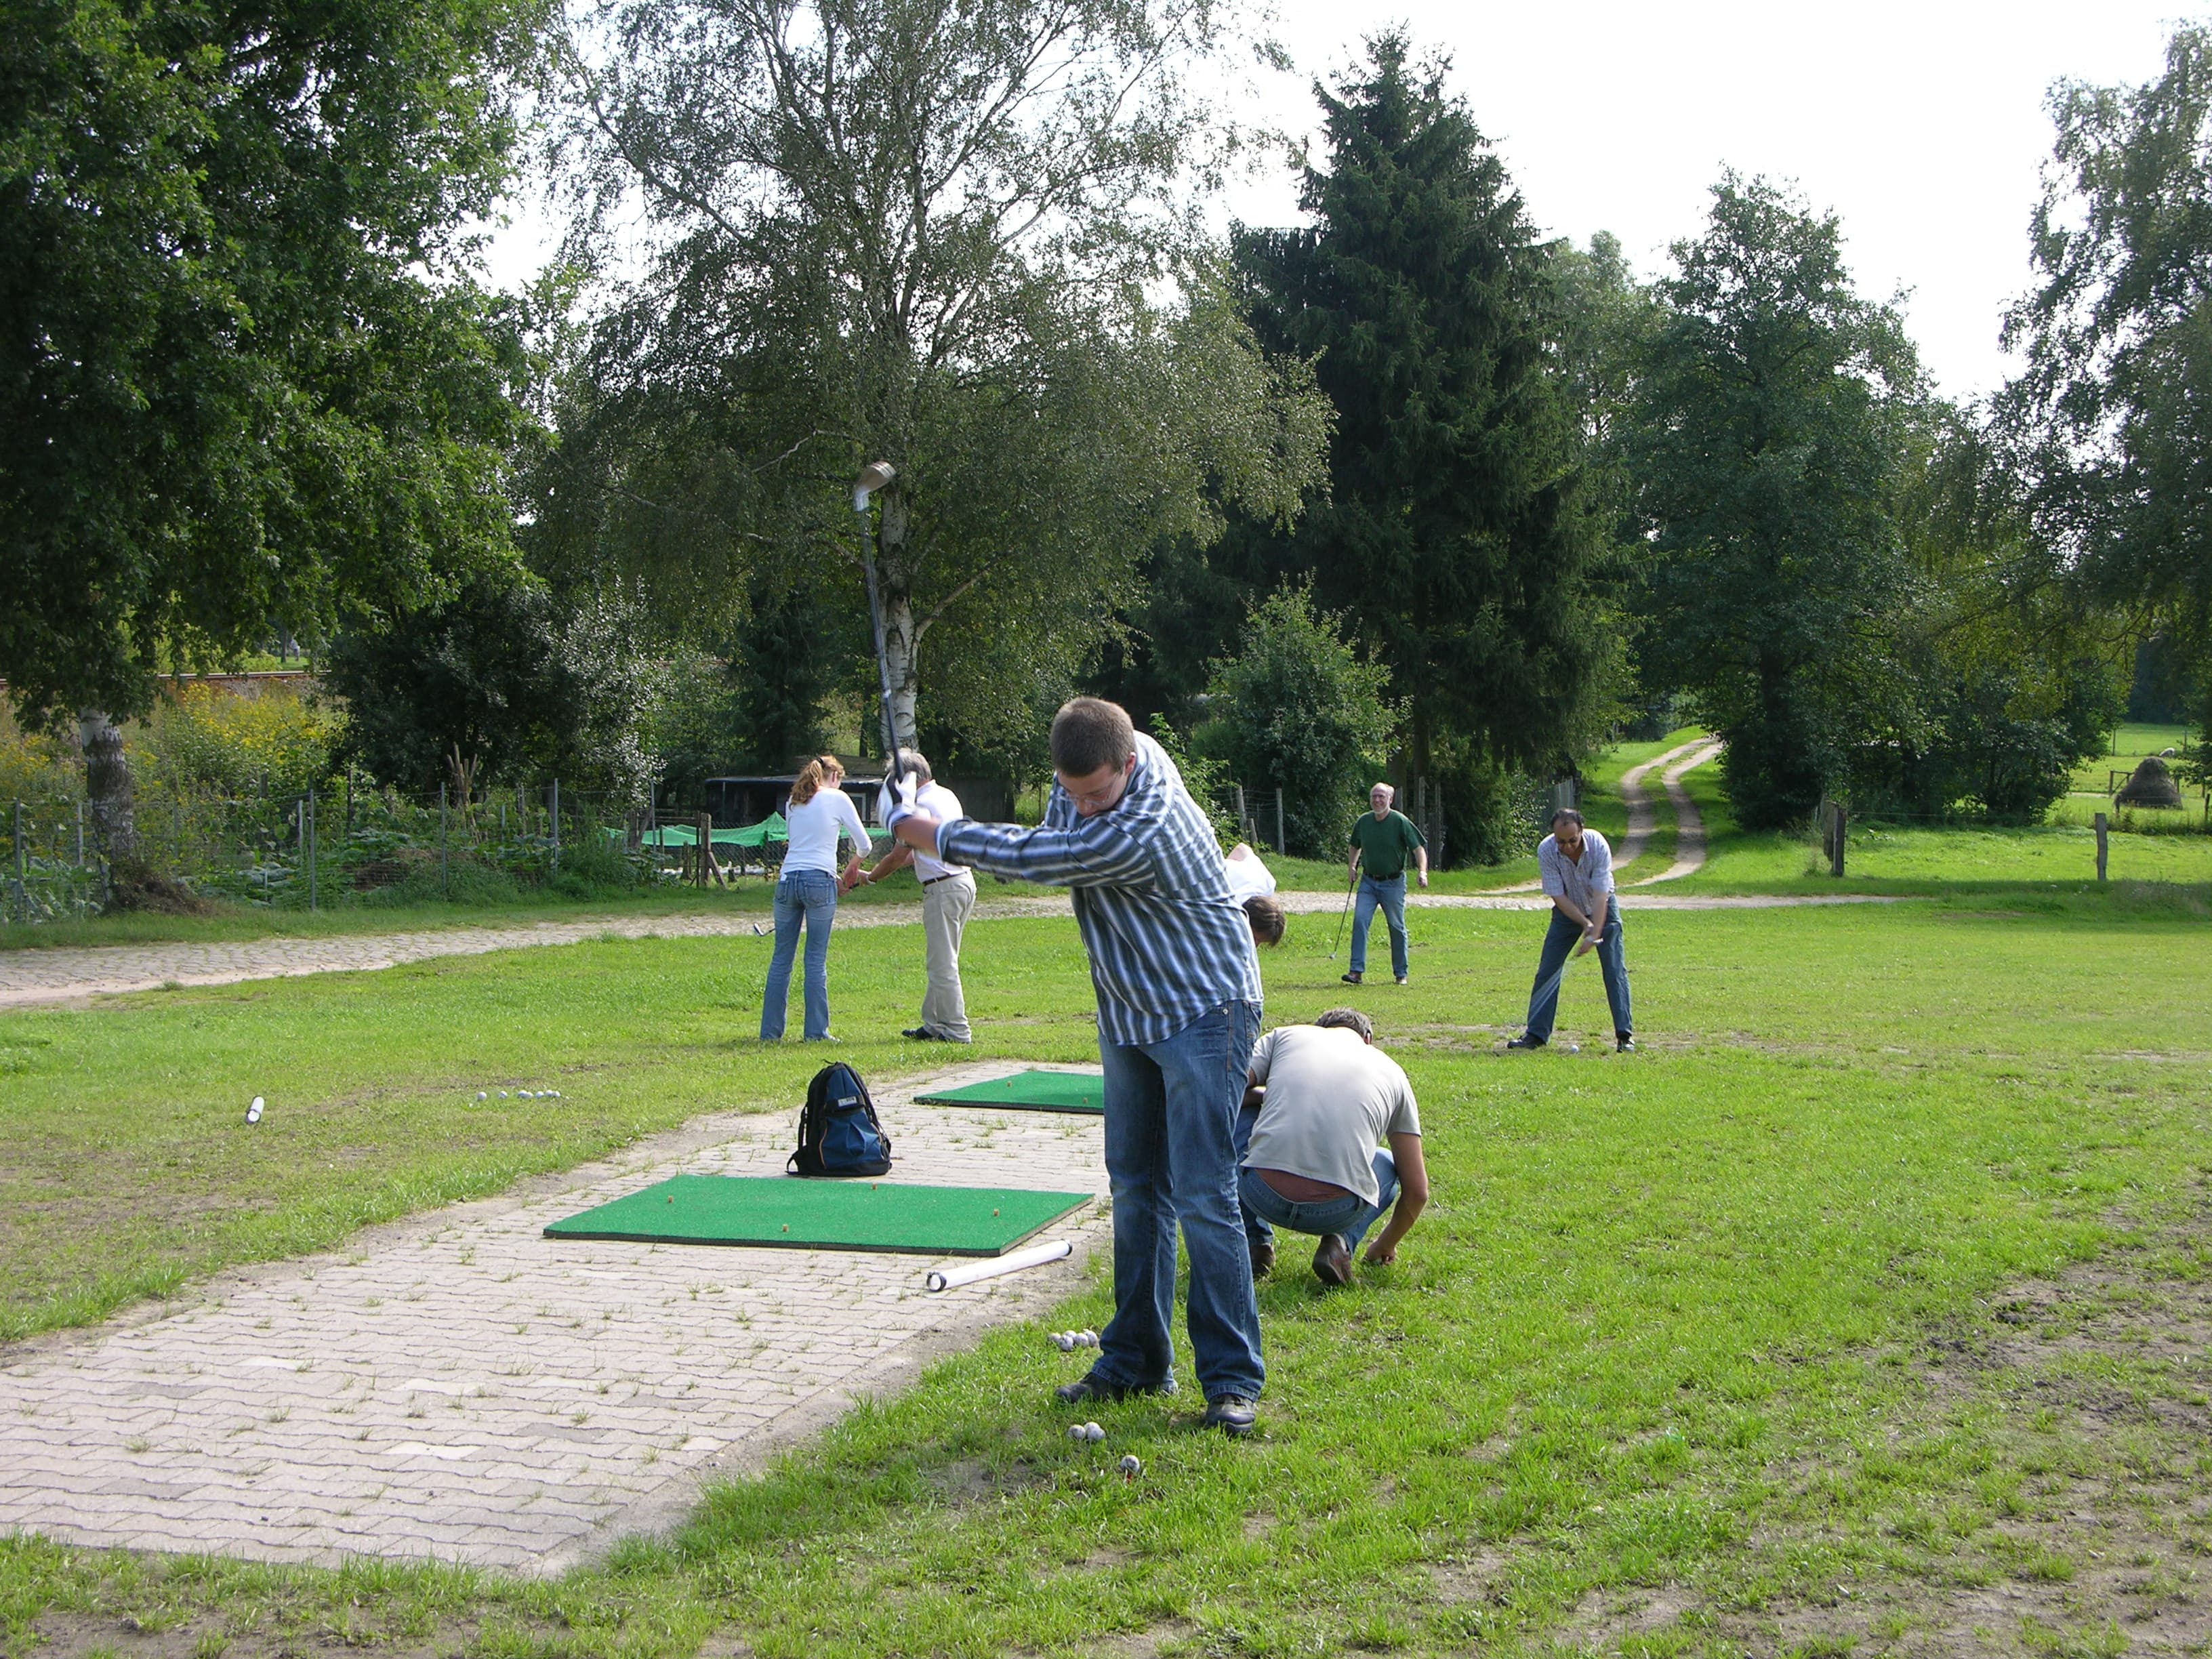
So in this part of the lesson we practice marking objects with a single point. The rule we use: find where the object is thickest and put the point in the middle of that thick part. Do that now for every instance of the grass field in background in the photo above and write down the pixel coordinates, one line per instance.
(1669, 1326)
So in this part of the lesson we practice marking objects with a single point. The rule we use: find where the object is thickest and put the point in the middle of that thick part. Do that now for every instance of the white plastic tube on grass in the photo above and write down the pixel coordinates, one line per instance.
(970, 1273)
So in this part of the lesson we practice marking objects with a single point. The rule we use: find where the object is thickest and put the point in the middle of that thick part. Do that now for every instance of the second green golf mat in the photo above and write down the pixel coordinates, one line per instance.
(824, 1215)
(1030, 1092)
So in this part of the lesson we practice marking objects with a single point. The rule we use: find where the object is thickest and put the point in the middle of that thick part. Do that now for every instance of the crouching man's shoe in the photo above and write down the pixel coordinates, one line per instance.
(1333, 1260)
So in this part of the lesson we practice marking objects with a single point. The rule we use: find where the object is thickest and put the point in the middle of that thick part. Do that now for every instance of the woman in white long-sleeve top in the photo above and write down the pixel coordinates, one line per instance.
(820, 814)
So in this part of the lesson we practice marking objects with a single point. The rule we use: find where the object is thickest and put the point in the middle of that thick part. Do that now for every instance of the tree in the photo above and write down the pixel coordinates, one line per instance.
(242, 389)
(2112, 416)
(923, 232)
(1766, 435)
(1300, 708)
(1455, 530)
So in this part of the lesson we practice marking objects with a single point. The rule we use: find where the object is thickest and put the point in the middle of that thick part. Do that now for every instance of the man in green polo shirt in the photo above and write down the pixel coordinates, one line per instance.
(1381, 842)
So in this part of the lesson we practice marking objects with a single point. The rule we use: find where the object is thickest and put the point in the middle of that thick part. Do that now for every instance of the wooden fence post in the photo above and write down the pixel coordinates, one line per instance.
(2103, 827)
(1841, 821)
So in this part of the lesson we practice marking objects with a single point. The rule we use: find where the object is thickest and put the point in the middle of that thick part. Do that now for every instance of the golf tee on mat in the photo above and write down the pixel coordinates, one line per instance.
(970, 1272)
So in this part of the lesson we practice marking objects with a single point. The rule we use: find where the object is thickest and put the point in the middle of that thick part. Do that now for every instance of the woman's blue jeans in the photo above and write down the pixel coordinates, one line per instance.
(1172, 1157)
(810, 896)
(1390, 894)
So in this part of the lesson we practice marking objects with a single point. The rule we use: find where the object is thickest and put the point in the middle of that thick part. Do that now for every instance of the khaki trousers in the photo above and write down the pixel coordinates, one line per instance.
(945, 906)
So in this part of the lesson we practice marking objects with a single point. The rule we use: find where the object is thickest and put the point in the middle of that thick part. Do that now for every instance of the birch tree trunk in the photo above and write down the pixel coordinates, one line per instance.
(107, 788)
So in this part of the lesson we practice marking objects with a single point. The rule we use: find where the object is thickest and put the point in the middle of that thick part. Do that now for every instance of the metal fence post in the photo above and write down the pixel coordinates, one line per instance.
(445, 865)
(80, 835)
(22, 893)
(556, 824)
(314, 847)
(2103, 826)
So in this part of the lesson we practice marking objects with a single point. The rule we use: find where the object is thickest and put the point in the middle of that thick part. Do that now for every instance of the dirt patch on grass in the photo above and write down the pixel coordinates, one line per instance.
(2089, 1529)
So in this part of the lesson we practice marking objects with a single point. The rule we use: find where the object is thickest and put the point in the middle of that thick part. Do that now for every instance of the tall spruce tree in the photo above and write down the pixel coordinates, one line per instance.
(1455, 534)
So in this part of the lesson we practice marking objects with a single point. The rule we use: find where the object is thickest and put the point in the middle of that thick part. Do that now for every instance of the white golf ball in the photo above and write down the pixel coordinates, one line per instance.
(1061, 1341)
(553, 1094)
(1077, 1432)
(253, 1112)
(482, 1095)
(502, 1094)
(1087, 1340)
(1130, 1466)
(1093, 1433)
(1574, 1047)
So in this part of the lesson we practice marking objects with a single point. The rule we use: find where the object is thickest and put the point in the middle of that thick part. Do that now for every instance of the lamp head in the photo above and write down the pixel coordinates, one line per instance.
(873, 477)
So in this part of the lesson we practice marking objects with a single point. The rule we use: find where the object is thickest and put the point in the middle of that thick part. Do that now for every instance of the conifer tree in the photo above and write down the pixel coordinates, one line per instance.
(1455, 532)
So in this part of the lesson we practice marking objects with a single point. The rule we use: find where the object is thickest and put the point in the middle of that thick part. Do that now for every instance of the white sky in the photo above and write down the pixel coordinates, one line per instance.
(1920, 125)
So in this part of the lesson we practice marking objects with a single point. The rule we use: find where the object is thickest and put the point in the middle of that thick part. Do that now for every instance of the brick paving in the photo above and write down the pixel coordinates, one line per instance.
(462, 1388)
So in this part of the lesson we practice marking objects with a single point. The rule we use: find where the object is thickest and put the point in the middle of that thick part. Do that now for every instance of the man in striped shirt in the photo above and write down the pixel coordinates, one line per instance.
(1178, 989)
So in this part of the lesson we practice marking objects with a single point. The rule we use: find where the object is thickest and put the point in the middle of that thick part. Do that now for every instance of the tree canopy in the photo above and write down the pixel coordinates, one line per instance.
(243, 387)
(2112, 417)
(1456, 531)
(1766, 436)
(927, 233)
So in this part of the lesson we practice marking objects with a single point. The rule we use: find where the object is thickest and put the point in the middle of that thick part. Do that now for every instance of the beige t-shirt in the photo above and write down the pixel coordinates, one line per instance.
(1332, 1099)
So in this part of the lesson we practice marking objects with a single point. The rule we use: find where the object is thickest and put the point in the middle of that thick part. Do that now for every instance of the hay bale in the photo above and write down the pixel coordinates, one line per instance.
(2150, 785)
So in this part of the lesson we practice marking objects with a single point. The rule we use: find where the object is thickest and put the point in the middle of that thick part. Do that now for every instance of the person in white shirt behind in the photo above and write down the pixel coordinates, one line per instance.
(1252, 884)
(948, 898)
(820, 814)
(1576, 867)
(1321, 1099)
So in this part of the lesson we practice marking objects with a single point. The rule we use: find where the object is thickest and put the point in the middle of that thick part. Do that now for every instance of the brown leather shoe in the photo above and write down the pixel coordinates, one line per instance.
(1333, 1260)
(1263, 1260)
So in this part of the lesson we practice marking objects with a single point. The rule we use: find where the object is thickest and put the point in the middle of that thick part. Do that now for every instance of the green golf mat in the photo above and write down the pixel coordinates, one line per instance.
(847, 1214)
(1031, 1091)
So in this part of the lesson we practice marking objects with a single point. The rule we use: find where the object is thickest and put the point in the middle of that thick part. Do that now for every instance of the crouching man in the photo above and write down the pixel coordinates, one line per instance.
(1320, 1100)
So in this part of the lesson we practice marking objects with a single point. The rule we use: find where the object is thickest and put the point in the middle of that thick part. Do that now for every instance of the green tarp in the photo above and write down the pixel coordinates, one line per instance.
(753, 836)
(788, 1212)
(1032, 1091)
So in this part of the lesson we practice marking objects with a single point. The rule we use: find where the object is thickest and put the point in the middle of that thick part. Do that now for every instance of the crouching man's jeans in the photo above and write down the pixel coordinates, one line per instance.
(1350, 1216)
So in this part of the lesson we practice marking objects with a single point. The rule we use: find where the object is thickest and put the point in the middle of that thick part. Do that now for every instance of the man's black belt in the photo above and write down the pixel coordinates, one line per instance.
(932, 881)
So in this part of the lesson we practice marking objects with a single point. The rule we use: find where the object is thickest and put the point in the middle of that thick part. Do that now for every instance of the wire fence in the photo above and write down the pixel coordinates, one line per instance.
(347, 845)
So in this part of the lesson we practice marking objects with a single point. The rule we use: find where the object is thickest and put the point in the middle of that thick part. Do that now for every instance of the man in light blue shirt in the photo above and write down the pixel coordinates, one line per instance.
(1576, 867)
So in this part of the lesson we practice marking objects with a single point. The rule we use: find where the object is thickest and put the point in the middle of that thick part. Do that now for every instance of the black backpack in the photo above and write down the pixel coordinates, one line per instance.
(839, 1134)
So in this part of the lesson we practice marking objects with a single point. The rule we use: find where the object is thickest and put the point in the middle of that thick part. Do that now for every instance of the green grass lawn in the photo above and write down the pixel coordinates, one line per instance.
(1722, 1324)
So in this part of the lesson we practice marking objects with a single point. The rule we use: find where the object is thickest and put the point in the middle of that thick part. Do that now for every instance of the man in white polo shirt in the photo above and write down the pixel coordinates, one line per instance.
(1576, 867)
(1321, 1100)
(948, 898)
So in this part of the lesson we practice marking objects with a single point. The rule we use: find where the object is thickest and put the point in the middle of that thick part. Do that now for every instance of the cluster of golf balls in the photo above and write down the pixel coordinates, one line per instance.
(1083, 1432)
(1068, 1341)
(524, 1094)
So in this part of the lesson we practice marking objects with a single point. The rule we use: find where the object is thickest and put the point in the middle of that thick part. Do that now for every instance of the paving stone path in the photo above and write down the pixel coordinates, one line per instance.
(463, 1387)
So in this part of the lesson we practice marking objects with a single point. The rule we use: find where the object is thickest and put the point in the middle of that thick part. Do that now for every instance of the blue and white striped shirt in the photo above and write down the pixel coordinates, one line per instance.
(1168, 942)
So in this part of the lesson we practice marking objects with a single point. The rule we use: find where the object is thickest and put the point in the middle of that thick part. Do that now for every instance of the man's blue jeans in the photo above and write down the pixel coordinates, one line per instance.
(1391, 895)
(811, 896)
(1171, 1109)
(1544, 995)
(1266, 1209)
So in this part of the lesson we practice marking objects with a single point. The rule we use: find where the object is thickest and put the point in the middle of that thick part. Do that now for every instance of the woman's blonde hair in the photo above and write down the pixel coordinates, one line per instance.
(811, 777)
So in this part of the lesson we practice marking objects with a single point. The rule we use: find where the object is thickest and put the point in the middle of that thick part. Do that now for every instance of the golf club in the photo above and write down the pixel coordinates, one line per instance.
(1342, 914)
(876, 476)
(1583, 947)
